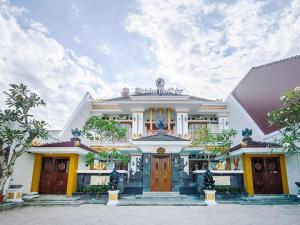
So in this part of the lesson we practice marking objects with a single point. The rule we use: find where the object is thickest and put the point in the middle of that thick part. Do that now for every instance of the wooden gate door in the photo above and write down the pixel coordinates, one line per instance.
(267, 175)
(54, 176)
(161, 173)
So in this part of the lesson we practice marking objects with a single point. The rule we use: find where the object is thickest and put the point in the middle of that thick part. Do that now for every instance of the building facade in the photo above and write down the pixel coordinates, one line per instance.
(161, 125)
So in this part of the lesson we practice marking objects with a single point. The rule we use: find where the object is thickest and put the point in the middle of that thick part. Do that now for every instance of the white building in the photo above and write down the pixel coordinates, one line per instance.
(160, 125)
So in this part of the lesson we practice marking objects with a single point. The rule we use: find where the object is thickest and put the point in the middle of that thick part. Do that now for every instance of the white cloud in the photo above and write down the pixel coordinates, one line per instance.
(76, 11)
(58, 75)
(86, 28)
(104, 49)
(77, 39)
(208, 47)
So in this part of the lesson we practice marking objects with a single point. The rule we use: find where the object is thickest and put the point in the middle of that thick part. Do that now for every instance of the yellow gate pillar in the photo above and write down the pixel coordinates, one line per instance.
(72, 174)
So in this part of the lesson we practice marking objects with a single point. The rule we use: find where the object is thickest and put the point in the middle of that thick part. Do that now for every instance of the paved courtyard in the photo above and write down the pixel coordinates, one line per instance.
(153, 215)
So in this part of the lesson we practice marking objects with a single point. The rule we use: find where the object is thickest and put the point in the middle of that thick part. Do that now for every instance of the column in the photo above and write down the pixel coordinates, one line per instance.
(36, 174)
(72, 174)
(151, 119)
(182, 123)
(138, 123)
(169, 119)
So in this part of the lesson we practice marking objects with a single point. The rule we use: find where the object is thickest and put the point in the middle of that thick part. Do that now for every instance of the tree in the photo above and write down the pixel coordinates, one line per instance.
(18, 128)
(104, 129)
(108, 130)
(219, 143)
(288, 117)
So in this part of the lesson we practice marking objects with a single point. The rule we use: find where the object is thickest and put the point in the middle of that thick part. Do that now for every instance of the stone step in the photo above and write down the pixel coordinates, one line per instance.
(269, 198)
(47, 198)
(53, 203)
(278, 202)
(160, 202)
(151, 194)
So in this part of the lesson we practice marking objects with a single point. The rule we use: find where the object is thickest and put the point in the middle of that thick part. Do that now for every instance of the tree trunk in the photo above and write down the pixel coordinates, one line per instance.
(3, 171)
(6, 168)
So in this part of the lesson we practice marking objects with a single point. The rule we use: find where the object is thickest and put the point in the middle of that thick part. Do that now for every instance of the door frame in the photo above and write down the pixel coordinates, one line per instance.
(248, 176)
(265, 175)
(167, 155)
(72, 172)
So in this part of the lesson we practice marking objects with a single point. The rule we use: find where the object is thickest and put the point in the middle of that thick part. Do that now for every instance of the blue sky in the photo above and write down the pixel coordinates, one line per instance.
(62, 49)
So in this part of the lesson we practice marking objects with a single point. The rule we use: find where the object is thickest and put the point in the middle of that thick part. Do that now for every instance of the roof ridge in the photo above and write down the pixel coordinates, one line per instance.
(277, 61)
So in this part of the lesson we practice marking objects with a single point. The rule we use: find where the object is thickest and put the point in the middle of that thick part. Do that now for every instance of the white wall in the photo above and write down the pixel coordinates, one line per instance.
(81, 163)
(293, 172)
(213, 127)
(23, 171)
(239, 120)
(78, 118)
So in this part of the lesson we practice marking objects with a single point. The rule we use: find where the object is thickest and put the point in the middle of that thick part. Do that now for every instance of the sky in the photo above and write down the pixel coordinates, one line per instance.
(63, 49)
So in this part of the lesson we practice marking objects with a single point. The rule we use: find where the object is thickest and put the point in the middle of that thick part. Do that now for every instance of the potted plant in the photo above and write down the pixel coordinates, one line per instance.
(89, 160)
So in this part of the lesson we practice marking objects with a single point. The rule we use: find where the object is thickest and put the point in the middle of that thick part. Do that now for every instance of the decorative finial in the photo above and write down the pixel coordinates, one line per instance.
(160, 84)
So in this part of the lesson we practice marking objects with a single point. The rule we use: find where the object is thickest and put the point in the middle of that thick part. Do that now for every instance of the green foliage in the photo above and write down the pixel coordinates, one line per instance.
(104, 129)
(288, 117)
(18, 128)
(226, 189)
(19, 101)
(89, 158)
(93, 189)
(219, 143)
(108, 156)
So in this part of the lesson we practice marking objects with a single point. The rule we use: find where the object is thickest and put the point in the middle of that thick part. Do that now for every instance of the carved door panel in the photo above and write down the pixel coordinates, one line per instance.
(161, 173)
(273, 176)
(54, 176)
(266, 175)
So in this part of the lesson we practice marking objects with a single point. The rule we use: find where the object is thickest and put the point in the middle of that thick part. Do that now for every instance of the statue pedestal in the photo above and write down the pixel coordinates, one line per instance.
(113, 197)
(210, 197)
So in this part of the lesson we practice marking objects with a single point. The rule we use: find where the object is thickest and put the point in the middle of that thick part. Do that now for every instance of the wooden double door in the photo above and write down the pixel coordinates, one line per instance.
(161, 179)
(54, 175)
(267, 175)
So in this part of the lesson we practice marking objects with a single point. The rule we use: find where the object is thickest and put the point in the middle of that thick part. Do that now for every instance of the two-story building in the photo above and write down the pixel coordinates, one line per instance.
(160, 125)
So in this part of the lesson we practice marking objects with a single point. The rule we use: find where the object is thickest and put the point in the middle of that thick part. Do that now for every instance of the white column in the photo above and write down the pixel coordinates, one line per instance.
(182, 123)
(223, 123)
(138, 123)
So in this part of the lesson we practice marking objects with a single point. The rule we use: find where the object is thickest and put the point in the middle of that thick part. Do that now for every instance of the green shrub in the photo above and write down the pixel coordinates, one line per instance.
(92, 189)
(226, 189)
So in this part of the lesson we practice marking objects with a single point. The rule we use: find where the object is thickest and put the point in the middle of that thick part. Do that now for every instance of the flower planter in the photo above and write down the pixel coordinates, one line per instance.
(113, 197)
(14, 193)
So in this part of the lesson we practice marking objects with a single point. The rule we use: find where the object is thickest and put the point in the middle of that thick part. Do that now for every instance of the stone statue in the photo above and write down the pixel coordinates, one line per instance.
(114, 180)
(209, 183)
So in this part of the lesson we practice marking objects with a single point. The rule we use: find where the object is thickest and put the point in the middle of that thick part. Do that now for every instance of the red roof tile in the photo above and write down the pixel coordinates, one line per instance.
(260, 90)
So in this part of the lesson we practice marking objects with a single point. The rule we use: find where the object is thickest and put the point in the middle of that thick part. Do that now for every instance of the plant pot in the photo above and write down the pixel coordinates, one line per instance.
(91, 166)
(1, 198)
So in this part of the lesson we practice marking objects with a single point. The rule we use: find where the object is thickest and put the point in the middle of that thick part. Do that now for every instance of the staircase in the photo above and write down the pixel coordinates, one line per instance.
(161, 198)
(269, 200)
(53, 200)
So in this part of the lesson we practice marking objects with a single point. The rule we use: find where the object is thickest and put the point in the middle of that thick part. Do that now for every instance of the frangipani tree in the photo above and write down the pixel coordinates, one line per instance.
(18, 128)
(288, 117)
